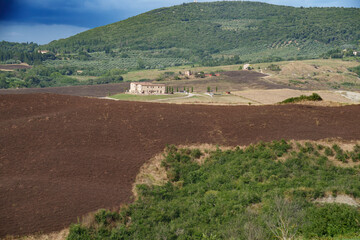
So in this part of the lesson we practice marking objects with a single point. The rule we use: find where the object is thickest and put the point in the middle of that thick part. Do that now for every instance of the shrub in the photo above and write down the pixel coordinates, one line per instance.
(331, 220)
(77, 232)
(106, 217)
(328, 151)
(313, 97)
(274, 67)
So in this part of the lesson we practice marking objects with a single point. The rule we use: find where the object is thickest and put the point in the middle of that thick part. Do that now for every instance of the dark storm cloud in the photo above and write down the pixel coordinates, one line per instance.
(7, 8)
(58, 12)
(93, 13)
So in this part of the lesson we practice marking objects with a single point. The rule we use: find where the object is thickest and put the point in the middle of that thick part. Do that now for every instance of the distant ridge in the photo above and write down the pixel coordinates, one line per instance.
(249, 29)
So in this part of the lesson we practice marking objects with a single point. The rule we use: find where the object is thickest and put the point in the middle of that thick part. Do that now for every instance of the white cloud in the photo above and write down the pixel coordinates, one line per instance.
(38, 33)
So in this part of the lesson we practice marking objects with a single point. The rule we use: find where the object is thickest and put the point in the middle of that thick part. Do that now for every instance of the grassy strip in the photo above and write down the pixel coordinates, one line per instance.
(133, 97)
(265, 191)
(313, 97)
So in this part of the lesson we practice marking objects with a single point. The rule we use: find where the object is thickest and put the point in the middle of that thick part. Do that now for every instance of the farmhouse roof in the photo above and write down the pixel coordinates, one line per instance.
(149, 84)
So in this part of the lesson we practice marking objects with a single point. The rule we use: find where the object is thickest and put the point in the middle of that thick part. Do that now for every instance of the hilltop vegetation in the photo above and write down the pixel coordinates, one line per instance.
(22, 52)
(41, 76)
(197, 31)
(265, 191)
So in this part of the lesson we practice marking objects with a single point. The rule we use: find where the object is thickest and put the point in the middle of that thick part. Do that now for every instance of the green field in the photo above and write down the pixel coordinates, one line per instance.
(133, 97)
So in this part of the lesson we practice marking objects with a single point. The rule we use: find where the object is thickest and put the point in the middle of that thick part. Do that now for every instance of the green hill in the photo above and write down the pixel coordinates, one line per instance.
(208, 31)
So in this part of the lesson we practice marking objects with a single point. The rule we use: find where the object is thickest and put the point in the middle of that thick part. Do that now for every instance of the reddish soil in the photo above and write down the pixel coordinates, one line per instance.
(64, 156)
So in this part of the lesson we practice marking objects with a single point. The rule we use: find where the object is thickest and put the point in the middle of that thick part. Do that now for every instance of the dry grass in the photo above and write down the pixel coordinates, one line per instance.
(341, 198)
(219, 99)
(151, 173)
(61, 235)
(155, 73)
(273, 96)
(206, 150)
(314, 74)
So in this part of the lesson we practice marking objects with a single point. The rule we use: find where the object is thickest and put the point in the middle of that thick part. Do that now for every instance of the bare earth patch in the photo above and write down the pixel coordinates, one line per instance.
(343, 199)
(12, 67)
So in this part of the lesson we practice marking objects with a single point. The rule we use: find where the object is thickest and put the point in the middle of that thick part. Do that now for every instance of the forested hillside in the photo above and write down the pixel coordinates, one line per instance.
(252, 30)
(11, 52)
(205, 34)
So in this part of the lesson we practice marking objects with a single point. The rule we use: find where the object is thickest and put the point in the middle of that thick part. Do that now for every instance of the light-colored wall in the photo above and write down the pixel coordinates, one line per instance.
(146, 89)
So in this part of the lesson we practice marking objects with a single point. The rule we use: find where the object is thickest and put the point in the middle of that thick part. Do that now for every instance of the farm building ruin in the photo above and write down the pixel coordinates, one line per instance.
(146, 88)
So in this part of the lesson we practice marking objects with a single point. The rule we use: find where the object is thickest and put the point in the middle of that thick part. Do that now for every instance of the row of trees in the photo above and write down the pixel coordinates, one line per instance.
(170, 90)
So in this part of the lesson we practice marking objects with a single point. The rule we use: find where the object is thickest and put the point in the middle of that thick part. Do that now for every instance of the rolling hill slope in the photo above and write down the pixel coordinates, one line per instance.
(196, 31)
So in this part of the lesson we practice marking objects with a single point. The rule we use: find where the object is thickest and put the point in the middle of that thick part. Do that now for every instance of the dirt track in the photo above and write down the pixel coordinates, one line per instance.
(14, 66)
(64, 156)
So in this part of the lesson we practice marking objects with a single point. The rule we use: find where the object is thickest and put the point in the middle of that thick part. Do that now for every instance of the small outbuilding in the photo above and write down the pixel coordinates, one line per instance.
(188, 73)
(247, 67)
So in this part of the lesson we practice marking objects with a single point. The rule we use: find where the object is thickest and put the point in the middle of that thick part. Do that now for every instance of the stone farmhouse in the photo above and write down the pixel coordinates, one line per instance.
(146, 88)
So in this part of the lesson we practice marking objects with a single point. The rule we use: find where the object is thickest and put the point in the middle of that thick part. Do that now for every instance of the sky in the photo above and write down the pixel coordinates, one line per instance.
(42, 21)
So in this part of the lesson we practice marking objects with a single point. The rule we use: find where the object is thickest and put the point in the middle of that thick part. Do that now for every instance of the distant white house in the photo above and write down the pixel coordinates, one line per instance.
(247, 67)
(146, 88)
(43, 51)
(355, 53)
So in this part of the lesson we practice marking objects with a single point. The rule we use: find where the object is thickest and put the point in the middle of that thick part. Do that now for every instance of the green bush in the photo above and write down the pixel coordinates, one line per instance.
(274, 67)
(313, 97)
(328, 151)
(106, 217)
(331, 220)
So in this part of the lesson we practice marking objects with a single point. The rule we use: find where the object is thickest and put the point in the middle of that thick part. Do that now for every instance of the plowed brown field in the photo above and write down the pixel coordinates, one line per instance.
(64, 156)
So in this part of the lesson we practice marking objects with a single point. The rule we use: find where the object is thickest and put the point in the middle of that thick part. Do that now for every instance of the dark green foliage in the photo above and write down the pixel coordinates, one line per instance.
(340, 154)
(105, 217)
(200, 74)
(196, 31)
(235, 195)
(77, 232)
(355, 70)
(42, 76)
(331, 220)
(22, 52)
(313, 97)
(355, 154)
(329, 151)
(274, 67)
(338, 53)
